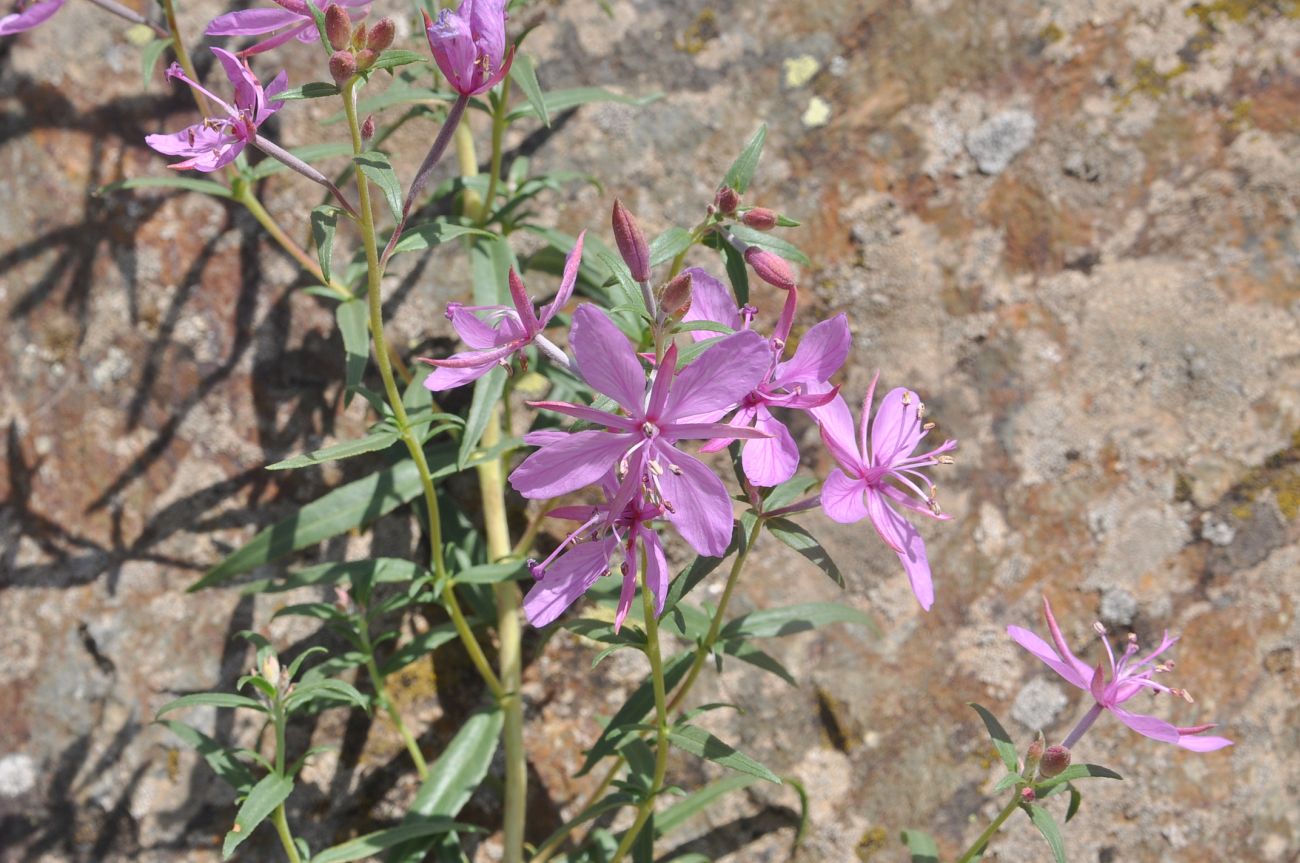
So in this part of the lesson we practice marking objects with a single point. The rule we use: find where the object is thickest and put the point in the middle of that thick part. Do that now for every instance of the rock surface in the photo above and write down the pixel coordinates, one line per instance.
(1108, 322)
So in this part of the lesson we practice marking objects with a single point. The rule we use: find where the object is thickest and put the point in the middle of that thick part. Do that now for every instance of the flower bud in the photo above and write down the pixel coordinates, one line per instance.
(1055, 760)
(366, 58)
(770, 268)
(381, 34)
(368, 127)
(342, 66)
(1027, 795)
(675, 298)
(760, 219)
(727, 200)
(338, 26)
(631, 243)
(359, 37)
(1033, 755)
(271, 669)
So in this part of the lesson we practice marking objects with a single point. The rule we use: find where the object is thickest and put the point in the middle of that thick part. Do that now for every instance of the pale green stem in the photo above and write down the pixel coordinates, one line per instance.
(471, 203)
(374, 275)
(498, 133)
(974, 852)
(286, 838)
(381, 696)
(183, 56)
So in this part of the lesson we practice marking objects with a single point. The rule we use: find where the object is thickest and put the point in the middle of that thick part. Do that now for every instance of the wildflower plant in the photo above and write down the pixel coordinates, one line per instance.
(671, 393)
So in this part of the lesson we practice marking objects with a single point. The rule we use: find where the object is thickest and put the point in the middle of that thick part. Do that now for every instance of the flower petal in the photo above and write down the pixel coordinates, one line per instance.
(567, 281)
(1035, 645)
(896, 430)
(471, 329)
(899, 534)
(710, 301)
(656, 570)
(1197, 743)
(701, 507)
(836, 424)
(1147, 726)
(843, 499)
(568, 578)
(1082, 670)
(447, 378)
(720, 377)
(821, 352)
(770, 461)
(606, 360)
(564, 466)
(34, 15)
(251, 22)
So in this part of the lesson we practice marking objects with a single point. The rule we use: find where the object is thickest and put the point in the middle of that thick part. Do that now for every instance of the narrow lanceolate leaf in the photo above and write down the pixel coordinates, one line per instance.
(637, 706)
(426, 235)
(333, 692)
(375, 165)
(311, 90)
(1076, 798)
(524, 73)
(380, 570)
(921, 846)
(742, 170)
(149, 58)
(420, 646)
(669, 245)
(770, 242)
(1046, 825)
(745, 651)
(186, 184)
(219, 758)
(697, 741)
(697, 801)
(210, 699)
(490, 573)
(1001, 739)
(1078, 771)
(260, 803)
(324, 220)
(772, 622)
(394, 57)
(452, 779)
(563, 100)
(487, 395)
(352, 320)
(372, 843)
(806, 544)
(787, 492)
(381, 439)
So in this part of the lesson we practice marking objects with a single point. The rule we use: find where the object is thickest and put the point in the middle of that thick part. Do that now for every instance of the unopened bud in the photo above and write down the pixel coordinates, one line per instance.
(271, 669)
(368, 127)
(727, 200)
(381, 34)
(1033, 755)
(342, 66)
(760, 219)
(676, 296)
(770, 268)
(366, 58)
(631, 243)
(359, 37)
(1028, 795)
(343, 600)
(338, 26)
(1055, 760)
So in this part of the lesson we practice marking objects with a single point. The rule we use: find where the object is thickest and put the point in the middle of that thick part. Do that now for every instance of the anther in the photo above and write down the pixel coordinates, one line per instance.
(655, 469)
(946, 459)
(934, 506)
(674, 470)
(928, 426)
(907, 397)
(1098, 628)
(920, 410)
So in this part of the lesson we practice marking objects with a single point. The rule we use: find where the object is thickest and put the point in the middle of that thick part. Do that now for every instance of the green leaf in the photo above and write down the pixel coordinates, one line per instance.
(697, 801)
(770, 242)
(772, 622)
(219, 758)
(311, 90)
(1006, 782)
(562, 100)
(737, 272)
(1076, 798)
(210, 699)
(803, 542)
(1001, 739)
(452, 778)
(380, 570)
(372, 843)
(1046, 825)
(745, 651)
(921, 845)
(353, 321)
(420, 646)
(787, 492)
(326, 690)
(669, 245)
(490, 573)
(637, 706)
(394, 57)
(260, 802)
(370, 443)
(1078, 771)
(524, 74)
(742, 170)
(699, 569)
(609, 803)
(487, 395)
(697, 741)
(324, 219)
(376, 166)
(178, 181)
(426, 235)
(805, 812)
(149, 58)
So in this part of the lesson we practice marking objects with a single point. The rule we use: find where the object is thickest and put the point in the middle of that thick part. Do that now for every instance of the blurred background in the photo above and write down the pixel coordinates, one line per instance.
(1071, 225)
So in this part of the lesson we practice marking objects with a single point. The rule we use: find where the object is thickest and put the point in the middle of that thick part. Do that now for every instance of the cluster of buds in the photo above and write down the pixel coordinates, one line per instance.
(674, 297)
(726, 205)
(355, 48)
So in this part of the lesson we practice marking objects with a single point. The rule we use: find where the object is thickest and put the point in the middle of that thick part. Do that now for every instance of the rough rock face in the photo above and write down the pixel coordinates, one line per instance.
(1072, 226)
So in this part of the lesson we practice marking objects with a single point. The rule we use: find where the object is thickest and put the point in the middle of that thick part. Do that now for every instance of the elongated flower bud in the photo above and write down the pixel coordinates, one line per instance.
(631, 243)
(770, 268)
(760, 219)
(727, 200)
(342, 66)
(1055, 760)
(368, 127)
(366, 58)
(675, 298)
(381, 34)
(271, 669)
(338, 26)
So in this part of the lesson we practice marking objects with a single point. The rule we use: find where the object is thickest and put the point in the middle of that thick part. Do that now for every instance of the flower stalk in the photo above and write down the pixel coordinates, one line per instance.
(976, 850)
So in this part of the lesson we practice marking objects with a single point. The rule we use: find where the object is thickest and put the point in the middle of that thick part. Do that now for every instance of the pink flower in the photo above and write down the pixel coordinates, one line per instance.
(511, 330)
(469, 45)
(604, 540)
(293, 19)
(800, 382)
(875, 474)
(642, 443)
(28, 15)
(214, 143)
(1128, 677)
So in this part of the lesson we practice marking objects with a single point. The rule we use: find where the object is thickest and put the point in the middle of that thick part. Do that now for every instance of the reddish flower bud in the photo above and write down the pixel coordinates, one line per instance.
(338, 26)
(676, 296)
(631, 243)
(342, 66)
(1055, 760)
(1033, 756)
(727, 200)
(368, 127)
(359, 37)
(1028, 795)
(366, 58)
(770, 268)
(760, 219)
(381, 34)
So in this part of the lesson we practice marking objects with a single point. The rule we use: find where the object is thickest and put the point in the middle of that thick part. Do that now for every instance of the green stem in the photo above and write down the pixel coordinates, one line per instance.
(697, 233)
(286, 838)
(498, 133)
(661, 716)
(374, 275)
(974, 852)
(471, 203)
(183, 56)
(381, 696)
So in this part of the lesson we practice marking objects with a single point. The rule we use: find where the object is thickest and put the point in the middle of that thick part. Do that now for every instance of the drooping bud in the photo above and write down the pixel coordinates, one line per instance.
(381, 34)
(675, 299)
(727, 200)
(338, 26)
(271, 669)
(631, 243)
(1055, 760)
(342, 66)
(368, 127)
(770, 268)
(760, 219)
(1033, 755)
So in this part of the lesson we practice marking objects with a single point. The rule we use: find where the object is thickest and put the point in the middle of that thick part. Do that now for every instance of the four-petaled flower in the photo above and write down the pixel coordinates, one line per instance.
(214, 143)
(641, 444)
(511, 330)
(879, 470)
(1129, 675)
(28, 15)
(293, 18)
(469, 45)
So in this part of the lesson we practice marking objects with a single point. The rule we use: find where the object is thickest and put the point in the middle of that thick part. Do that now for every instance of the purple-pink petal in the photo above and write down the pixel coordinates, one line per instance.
(1041, 649)
(582, 412)
(33, 16)
(251, 22)
(773, 460)
(1082, 670)
(843, 499)
(835, 422)
(568, 578)
(449, 377)
(1147, 726)
(564, 466)
(710, 301)
(899, 534)
(656, 571)
(721, 376)
(1200, 743)
(605, 359)
(896, 430)
(701, 507)
(572, 263)
(821, 352)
